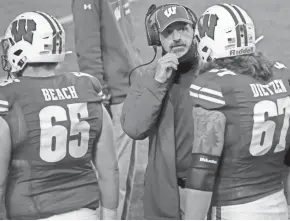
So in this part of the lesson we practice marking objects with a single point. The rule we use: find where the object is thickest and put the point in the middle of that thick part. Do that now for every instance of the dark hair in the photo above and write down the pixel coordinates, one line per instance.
(256, 65)
(48, 66)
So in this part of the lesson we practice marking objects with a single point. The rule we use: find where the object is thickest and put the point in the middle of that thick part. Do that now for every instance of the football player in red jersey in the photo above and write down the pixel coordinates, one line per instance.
(5, 152)
(58, 127)
(241, 113)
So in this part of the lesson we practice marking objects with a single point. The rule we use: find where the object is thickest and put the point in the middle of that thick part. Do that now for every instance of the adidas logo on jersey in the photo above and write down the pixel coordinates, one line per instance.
(248, 50)
(203, 159)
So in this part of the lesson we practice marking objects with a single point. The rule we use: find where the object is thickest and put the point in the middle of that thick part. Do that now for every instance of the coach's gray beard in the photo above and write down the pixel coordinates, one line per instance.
(189, 56)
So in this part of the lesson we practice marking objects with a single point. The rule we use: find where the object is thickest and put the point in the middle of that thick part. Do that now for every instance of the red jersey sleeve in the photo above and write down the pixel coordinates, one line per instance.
(207, 92)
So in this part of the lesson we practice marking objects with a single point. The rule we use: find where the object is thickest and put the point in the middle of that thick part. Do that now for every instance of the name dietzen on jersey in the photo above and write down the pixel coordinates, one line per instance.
(273, 87)
(59, 93)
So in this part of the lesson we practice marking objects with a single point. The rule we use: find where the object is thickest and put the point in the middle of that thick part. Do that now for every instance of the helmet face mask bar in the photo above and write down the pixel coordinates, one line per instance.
(6, 66)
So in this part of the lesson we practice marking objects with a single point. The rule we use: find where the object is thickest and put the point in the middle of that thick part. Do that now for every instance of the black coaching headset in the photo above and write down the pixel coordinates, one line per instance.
(152, 31)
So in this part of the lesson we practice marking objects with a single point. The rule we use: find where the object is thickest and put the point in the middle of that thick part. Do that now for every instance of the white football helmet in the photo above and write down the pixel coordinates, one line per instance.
(224, 30)
(32, 37)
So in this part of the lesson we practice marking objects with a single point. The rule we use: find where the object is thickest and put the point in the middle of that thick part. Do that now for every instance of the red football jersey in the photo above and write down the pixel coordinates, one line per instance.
(4, 106)
(257, 122)
(59, 119)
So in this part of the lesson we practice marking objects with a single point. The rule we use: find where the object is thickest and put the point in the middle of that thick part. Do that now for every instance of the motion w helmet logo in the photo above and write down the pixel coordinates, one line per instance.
(170, 11)
(23, 30)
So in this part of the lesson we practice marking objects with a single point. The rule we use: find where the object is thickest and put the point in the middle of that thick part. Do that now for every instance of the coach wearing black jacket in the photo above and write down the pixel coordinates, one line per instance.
(159, 107)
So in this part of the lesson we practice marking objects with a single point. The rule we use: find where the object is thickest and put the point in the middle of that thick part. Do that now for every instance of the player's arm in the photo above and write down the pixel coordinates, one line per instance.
(106, 163)
(286, 180)
(209, 127)
(286, 183)
(5, 155)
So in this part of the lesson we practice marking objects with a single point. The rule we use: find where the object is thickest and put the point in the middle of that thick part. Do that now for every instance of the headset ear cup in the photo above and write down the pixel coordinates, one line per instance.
(193, 16)
(150, 35)
(156, 35)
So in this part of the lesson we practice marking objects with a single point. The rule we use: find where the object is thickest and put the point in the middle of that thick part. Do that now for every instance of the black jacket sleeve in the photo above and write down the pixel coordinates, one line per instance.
(142, 107)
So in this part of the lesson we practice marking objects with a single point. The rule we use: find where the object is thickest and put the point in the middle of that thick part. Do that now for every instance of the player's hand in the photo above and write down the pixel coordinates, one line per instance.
(106, 99)
(165, 66)
(107, 103)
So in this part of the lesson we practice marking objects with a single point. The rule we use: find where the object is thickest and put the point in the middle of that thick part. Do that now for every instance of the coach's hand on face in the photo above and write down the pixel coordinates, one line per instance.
(175, 29)
(165, 66)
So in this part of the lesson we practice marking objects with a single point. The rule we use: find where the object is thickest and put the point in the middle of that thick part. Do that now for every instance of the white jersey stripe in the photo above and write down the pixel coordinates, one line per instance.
(3, 109)
(4, 103)
(210, 91)
(193, 94)
(207, 98)
(206, 90)
(195, 87)
(211, 99)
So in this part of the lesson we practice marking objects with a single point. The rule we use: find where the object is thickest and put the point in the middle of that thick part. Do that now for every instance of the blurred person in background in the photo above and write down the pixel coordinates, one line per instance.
(104, 41)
